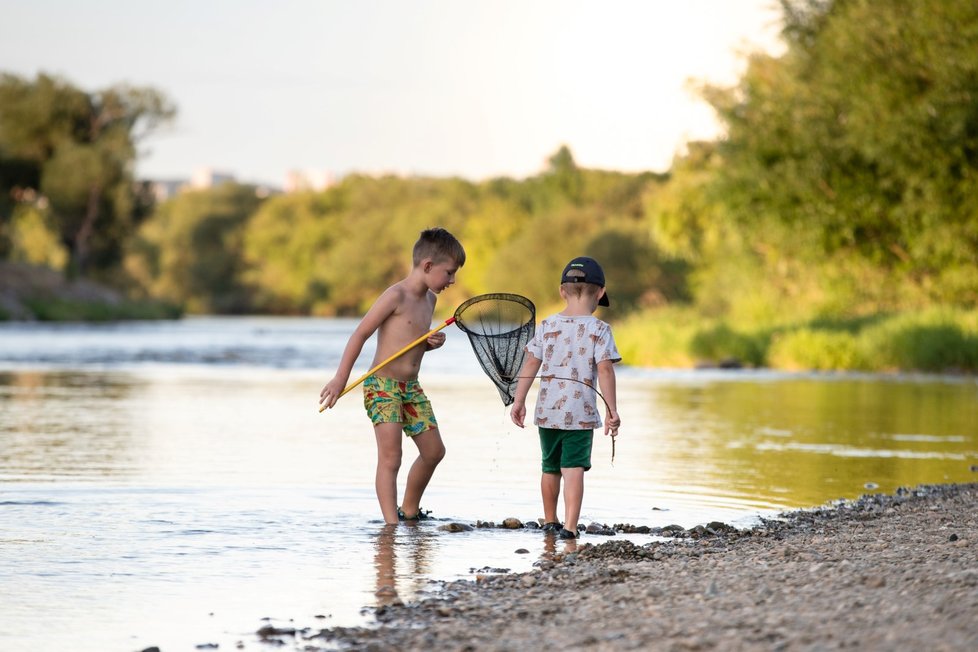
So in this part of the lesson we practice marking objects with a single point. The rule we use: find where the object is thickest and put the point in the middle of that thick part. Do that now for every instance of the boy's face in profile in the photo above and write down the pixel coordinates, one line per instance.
(439, 275)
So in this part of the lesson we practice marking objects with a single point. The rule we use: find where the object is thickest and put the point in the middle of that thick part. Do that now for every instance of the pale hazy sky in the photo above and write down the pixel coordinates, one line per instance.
(433, 87)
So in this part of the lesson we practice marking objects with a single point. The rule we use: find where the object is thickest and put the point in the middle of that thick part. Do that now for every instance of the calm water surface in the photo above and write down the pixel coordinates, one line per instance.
(173, 484)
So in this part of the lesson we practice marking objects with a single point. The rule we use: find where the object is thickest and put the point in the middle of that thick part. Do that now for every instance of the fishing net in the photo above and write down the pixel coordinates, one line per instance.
(499, 327)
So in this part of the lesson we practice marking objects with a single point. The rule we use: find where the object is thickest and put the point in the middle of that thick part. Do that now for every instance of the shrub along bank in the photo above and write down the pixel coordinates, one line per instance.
(938, 340)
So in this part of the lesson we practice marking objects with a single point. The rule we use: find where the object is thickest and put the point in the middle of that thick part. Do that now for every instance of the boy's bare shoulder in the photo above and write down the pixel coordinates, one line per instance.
(398, 298)
(395, 294)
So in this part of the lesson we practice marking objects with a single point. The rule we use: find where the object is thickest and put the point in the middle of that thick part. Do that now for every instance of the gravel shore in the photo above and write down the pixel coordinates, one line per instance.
(884, 572)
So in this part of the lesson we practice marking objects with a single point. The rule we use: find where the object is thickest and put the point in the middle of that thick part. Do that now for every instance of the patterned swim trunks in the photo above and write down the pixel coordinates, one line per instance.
(398, 401)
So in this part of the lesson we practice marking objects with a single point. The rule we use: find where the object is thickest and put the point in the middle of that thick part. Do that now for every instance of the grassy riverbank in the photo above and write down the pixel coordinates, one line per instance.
(936, 340)
(34, 293)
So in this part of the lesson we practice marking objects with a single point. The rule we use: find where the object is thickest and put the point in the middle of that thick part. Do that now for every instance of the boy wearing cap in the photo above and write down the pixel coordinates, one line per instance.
(571, 350)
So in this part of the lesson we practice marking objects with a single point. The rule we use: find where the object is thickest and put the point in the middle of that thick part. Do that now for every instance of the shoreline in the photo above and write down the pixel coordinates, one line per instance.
(881, 572)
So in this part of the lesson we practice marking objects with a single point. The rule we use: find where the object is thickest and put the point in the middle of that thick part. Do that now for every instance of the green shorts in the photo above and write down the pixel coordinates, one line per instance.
(398, 401)
(565, 449)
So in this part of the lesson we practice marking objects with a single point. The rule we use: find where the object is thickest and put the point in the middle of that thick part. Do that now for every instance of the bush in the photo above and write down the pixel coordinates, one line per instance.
(939, 340)
(656, 338)
(933, 341)
(721, 343)
(820, 350)
(69, 310)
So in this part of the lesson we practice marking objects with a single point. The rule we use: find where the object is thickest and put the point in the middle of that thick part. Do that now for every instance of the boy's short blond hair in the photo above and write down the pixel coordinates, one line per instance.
(584, 271)
(438, 245)
(579, 288)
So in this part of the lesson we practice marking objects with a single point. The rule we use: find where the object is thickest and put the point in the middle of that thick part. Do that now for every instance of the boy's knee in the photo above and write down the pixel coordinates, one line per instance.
(434, 454)
(390, 461)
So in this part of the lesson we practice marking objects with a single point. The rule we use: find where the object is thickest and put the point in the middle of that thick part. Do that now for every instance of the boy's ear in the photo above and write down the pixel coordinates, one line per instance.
(427, 264)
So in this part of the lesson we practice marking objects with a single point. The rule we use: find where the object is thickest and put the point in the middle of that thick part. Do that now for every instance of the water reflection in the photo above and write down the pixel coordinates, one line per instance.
(701, 449)
(808, 440)
(66, 424)
(552, 545)
(402, 559)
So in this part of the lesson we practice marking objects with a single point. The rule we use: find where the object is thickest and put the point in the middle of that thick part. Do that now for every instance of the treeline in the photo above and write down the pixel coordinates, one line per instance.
(331, 252)
(834, 225)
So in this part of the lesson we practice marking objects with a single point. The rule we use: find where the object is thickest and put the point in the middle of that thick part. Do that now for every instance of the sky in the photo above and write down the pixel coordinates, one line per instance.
(466, 88)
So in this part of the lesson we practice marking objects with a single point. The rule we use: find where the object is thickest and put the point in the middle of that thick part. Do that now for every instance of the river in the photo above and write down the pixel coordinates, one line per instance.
(173, 483)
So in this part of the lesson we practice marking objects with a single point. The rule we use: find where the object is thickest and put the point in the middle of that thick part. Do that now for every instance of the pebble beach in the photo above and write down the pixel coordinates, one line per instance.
(883, 572)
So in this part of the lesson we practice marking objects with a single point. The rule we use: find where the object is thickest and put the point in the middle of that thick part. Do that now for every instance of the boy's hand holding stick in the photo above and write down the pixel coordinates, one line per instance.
(325, 397)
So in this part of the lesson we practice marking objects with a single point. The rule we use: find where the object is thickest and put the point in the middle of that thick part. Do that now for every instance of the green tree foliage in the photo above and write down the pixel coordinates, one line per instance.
(332, 252)
(852, 160)
(192, 252)
(286, 245)
(72, 153)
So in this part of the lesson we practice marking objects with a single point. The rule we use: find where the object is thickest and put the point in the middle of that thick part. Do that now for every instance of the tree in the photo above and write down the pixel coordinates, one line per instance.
(192, 252)
(73, 151)
(858, 150)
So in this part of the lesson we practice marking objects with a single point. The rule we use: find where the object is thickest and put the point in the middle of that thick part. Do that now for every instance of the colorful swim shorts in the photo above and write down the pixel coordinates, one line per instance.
(398, 401)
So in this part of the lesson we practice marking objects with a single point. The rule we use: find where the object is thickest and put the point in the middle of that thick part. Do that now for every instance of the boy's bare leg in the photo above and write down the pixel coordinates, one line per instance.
(431, 450)
(388, 463)
(550, 491)
(573, 495)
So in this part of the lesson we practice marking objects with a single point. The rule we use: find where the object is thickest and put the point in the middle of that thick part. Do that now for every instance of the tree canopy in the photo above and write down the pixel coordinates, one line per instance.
(850, 163)
(72, 153)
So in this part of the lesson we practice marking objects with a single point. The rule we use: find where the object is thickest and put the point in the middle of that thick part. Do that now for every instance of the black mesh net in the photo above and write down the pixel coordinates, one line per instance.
(499, 327)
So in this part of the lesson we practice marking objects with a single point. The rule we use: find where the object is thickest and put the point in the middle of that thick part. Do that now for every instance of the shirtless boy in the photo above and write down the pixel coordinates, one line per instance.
(393, 397)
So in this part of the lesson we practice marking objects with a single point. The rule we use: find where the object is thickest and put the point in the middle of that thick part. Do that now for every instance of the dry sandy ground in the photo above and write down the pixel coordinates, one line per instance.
(882, 573)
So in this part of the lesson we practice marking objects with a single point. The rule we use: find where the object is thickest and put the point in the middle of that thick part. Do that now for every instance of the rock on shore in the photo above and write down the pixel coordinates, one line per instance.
(883, 572)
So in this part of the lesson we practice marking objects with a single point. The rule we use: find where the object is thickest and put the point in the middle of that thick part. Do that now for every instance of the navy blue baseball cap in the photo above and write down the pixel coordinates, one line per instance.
(592, 274)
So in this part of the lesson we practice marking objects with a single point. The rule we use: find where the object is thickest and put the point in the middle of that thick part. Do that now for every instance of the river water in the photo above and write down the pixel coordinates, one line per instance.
(173, 484)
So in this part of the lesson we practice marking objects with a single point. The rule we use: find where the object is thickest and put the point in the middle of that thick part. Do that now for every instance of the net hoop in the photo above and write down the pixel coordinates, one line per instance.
(498, 326)
(472, 326)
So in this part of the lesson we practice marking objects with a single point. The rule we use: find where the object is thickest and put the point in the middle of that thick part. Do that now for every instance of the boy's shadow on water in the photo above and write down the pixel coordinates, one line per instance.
(410, 542)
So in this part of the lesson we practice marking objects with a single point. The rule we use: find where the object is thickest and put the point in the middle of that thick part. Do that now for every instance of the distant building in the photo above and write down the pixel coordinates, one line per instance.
(166, 189)
(205, 178)
(209, 177)
(298, 180)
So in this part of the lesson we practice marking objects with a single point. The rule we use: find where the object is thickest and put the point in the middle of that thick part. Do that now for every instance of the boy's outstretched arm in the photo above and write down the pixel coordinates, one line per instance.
(371, 321)
(525, 379)
(607, 384)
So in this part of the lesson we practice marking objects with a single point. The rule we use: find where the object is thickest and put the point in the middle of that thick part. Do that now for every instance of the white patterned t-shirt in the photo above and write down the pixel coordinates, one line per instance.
(570, 349)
